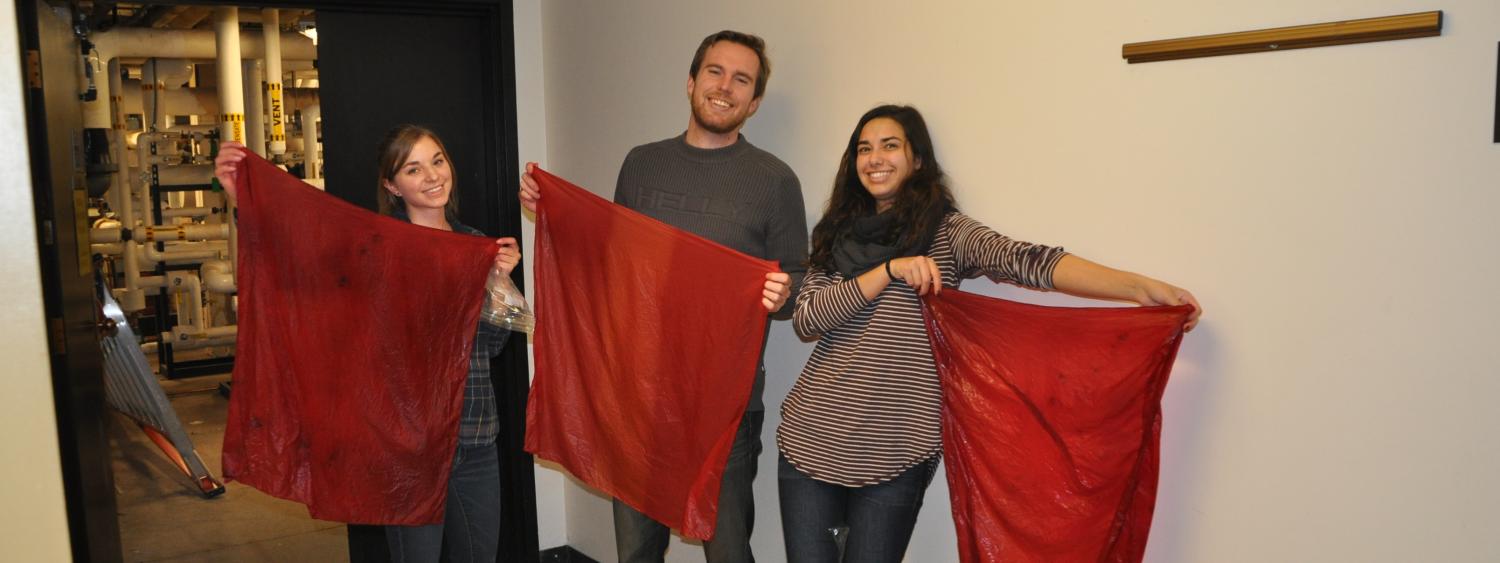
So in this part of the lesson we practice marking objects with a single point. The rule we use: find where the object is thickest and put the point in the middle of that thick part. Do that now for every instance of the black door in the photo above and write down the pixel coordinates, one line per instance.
(58, 169)
(450, 73)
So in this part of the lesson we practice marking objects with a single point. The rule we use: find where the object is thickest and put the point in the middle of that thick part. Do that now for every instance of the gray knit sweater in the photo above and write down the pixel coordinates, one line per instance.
(739, 196)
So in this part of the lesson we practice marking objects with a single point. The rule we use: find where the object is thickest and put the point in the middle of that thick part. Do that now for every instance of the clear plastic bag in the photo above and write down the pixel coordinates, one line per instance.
(505, 306)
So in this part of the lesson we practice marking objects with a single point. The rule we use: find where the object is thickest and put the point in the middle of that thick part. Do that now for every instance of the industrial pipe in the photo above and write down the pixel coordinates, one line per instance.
(194, 211)
(312, 161)
(255, 109)
(217, 276)
(181, 254)
(187, 232)
(184, 175)
(271, 25)
(231, 84)
(142, 43)
(186, 283)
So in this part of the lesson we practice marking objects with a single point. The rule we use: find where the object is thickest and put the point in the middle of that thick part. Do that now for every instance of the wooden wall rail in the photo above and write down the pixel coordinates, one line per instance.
(1425, 24)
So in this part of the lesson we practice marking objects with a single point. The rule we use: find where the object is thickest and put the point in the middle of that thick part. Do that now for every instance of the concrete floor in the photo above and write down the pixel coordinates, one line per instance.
(164, 518)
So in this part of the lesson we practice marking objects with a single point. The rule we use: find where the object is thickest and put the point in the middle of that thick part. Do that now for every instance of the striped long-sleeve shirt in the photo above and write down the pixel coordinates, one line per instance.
(867, 405)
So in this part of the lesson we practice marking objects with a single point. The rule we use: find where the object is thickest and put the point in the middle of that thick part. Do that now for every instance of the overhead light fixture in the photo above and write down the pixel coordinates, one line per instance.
(311, 33)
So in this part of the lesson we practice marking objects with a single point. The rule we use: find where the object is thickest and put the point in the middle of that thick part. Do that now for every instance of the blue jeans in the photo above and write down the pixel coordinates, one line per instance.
(879, 518)
(639, 539)
(471, 519)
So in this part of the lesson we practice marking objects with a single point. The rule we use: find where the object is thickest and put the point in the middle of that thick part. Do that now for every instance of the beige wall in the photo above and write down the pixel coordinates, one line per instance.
(33, 523)
(1333, 209)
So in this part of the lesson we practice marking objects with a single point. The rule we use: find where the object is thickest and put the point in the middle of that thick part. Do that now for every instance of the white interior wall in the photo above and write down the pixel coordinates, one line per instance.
(31, 476)
(531, 135)
(1331, 207)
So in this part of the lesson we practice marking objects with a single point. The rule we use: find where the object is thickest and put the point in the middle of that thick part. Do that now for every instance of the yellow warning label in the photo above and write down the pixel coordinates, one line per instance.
(236, 123)
(278, 114)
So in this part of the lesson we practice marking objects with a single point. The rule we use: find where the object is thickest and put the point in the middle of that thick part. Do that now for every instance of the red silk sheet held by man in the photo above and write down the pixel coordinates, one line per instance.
(646, 347)
(354, 338)
(1051, 424)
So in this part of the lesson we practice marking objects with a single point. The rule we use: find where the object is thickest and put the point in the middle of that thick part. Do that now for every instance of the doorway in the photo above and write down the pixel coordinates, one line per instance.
(465, 55)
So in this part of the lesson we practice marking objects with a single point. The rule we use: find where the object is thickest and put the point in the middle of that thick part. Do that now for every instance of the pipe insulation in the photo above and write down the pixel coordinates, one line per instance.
(195, 212)
(271, 26)
(183, 175)
(183, 253)
(180, 101)
(187, 232)
(312, 158)
(255, 110)
(161, 233)
(138, 43)
(231, 83)
(122, 193)
(217, 276)
(187, 285)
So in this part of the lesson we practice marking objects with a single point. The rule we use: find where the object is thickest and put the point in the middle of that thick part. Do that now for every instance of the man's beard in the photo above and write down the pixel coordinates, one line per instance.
(717, 129)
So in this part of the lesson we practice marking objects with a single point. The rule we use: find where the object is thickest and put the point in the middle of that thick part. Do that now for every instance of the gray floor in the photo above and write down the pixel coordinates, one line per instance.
(163, 518)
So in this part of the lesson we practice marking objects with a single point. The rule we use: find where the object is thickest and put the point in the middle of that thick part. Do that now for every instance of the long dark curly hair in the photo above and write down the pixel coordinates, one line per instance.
(849, 201)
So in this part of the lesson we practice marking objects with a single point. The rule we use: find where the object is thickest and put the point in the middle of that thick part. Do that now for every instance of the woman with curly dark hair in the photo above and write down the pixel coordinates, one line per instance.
(860, 433)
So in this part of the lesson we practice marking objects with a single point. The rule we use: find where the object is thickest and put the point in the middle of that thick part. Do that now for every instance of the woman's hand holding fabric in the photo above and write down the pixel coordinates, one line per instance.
(919, 272)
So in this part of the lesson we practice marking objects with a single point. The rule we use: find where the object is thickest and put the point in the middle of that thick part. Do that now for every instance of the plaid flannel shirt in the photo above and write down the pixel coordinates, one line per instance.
(480, 421)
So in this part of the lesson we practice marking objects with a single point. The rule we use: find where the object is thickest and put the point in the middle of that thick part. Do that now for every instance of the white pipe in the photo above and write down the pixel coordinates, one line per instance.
(195, 342)
(151, 84)
(220, 331)
(184, 175)
(132, 299)
(311, 160)
(189, 253)
(187, 283)
(218, 276)
(181, 101)
(171, 158)
(231, 84)
(101, 235)
(116, 102)
(120, 199)
(255, 110)
(151, 137)
(136, 42)
(190, 231)
(271, 24)
(201, 337)
(196, 211)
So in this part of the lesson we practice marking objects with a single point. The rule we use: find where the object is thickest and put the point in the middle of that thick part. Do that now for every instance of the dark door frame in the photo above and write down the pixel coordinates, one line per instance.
(93, 524)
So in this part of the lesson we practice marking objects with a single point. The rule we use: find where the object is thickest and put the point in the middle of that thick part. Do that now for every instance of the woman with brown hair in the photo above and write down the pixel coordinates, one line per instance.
(416, 183)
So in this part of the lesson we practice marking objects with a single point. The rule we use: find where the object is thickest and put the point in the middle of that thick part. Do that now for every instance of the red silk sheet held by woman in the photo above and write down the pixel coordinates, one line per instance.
(1051, 424)
(354, 338)
(646, 347)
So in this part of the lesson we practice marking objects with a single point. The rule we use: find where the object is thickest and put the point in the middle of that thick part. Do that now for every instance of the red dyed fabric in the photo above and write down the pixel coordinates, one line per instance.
(354, 337)
(1051, 424)
(646, 347)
